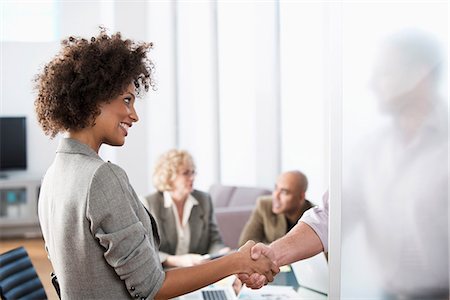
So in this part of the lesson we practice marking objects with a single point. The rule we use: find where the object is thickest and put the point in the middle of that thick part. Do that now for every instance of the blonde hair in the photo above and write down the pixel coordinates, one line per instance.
(167, 167)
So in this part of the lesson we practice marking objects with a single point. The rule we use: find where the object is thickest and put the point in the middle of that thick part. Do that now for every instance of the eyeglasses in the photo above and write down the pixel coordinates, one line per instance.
(189, 173)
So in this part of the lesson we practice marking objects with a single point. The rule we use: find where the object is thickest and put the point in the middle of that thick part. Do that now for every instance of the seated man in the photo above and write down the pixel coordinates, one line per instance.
(275, 215)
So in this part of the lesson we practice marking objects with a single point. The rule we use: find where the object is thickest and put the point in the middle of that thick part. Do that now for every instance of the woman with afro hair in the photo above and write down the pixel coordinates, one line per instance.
(102, 242)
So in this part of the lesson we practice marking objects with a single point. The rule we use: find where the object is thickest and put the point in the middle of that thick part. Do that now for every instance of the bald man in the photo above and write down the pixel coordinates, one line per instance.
(275, 215)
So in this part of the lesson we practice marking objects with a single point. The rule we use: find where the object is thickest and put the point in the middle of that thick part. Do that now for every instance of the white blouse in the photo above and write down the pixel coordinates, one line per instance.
(183, 230)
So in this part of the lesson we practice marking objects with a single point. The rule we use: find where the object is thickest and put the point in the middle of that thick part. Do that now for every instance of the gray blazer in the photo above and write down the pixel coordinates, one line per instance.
(205, 235)
(101, 241)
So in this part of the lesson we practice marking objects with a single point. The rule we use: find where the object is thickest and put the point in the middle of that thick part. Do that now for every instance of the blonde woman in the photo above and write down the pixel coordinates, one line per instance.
(185, 216)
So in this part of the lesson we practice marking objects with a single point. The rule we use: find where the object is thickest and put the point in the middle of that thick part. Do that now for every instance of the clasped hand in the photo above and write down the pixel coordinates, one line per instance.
(261, 265)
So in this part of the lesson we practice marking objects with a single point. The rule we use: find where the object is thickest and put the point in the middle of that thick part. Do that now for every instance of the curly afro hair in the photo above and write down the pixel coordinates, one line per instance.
(86, 73)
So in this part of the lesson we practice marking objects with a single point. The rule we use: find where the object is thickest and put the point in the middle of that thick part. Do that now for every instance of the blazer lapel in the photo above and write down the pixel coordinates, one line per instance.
(168, 226)
(196, 225)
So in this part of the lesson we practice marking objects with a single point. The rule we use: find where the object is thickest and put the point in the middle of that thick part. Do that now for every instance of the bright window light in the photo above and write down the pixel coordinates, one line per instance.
(28, 21)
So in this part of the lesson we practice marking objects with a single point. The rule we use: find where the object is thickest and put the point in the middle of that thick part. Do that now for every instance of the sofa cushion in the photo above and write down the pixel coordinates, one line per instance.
(221, 194)
(232, 208)
(231, 221)
(243, 196)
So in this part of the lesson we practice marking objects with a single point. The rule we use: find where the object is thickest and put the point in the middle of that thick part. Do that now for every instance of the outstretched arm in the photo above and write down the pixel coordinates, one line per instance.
(184, 260)
(299, 243)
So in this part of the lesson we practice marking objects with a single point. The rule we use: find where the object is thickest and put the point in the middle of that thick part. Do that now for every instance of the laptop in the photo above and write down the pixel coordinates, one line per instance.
(221, 290)
(312, 273)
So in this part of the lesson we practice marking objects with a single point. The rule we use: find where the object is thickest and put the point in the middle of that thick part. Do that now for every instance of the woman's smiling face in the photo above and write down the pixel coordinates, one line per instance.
(115, 118)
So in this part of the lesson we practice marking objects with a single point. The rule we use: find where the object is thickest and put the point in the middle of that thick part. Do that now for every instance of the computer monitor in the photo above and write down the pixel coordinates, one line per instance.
(13, 143)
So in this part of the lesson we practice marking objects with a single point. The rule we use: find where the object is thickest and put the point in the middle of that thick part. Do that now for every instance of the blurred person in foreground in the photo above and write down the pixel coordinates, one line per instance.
(101, 241)
(185, 216)
(277, 214)
(398, 187)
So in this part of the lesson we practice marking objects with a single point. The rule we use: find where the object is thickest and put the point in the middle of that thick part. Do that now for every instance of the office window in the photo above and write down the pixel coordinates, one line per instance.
(28, 21)
(303, 106)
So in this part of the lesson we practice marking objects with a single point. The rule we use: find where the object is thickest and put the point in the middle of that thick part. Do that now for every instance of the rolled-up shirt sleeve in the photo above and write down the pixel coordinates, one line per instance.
(317, 218)
(129, 246)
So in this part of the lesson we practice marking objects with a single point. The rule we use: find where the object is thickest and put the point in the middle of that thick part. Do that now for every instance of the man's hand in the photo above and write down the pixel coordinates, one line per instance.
(255, 280)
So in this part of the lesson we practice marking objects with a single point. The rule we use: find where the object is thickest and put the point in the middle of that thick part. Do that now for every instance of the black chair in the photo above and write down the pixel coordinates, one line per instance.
(18, 278)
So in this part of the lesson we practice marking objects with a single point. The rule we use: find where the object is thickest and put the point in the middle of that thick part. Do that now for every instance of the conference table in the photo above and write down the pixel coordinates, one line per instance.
(285, 286)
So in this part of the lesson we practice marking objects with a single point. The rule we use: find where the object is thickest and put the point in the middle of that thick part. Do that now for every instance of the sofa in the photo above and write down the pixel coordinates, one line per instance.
(232, 207)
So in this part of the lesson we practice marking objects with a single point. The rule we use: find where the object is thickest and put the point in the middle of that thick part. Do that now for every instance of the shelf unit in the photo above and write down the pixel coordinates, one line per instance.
(18, 208)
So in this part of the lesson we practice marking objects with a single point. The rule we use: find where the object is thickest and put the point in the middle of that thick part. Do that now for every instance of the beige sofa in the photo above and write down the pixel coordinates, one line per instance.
(232, 207)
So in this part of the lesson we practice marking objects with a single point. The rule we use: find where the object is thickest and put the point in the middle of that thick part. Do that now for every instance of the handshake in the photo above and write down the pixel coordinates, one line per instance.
(258, 264)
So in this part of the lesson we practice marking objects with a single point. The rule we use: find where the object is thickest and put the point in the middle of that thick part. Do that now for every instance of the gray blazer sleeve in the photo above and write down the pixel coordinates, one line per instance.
(129, 246)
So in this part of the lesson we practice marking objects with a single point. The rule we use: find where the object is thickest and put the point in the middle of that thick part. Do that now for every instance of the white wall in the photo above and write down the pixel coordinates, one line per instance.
(249, 93)
(303, 88)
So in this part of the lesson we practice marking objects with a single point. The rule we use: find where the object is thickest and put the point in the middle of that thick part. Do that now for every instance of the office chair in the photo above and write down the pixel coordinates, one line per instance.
(18, 279)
